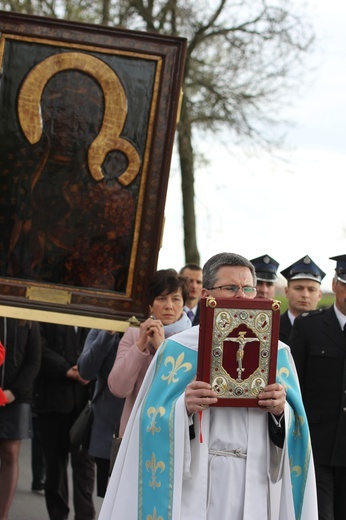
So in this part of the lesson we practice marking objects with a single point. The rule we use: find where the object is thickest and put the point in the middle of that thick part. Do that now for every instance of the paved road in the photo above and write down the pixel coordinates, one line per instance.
(26, 504)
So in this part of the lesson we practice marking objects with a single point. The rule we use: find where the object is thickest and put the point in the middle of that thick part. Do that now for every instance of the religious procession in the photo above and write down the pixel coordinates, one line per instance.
(134, 386)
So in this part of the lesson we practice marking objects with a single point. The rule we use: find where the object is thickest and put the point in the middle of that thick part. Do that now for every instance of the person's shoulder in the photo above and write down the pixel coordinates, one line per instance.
(311, 315)
(188, 337)
(130, 333)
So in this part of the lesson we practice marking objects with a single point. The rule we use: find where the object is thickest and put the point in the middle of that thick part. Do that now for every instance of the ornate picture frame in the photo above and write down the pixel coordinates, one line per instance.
(87, 121)
(237, 350)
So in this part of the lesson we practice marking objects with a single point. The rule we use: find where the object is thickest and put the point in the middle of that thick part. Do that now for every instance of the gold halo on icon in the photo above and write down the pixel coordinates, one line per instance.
(115, 112)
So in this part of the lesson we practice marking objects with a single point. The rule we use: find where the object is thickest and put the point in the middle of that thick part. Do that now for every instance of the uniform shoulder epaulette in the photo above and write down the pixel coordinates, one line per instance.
(308, 314)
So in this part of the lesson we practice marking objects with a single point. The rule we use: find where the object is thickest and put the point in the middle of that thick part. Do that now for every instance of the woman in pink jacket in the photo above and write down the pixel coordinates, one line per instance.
(167, 295)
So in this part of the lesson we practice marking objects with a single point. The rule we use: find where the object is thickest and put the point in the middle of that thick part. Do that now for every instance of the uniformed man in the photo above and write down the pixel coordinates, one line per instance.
(303, 292)
(266, 274)
(318, 345)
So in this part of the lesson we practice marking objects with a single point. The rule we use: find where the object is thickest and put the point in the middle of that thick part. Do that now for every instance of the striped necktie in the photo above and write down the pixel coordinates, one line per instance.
(190, 315)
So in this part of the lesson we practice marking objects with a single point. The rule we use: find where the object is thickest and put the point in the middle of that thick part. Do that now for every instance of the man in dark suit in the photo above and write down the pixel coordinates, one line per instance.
(193, 274)
(61, 394)
(303, 292)
(318, 345)
(266, 268)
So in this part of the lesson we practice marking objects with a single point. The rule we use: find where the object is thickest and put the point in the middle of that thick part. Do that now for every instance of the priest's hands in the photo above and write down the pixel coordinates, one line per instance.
(273, 399)
(198, 396)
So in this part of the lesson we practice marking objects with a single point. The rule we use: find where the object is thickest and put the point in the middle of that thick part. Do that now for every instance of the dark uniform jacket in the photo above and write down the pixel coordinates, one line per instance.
(197, 315)
(61, 348)
(285, 328)
(319, 349)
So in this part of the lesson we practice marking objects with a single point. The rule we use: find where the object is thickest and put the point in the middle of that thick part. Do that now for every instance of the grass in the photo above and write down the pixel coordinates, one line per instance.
(326, 301)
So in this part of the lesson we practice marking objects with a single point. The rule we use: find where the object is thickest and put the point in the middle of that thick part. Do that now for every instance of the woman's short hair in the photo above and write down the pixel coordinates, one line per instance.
(166, 281)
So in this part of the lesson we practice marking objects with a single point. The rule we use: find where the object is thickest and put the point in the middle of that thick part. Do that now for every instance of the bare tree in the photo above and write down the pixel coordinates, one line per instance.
(77, 10)
(244, 60)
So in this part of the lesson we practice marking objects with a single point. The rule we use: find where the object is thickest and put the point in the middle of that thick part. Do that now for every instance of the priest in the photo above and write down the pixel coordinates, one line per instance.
(184, 459)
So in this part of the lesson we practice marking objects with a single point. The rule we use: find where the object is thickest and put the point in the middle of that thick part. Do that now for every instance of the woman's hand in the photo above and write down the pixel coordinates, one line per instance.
(198, 396)
(73, 373)
(152, 331)
(273, 399)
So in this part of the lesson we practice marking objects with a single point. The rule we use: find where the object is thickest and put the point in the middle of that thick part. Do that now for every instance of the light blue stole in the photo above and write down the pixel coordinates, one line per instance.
(175, 367)
(298, 436)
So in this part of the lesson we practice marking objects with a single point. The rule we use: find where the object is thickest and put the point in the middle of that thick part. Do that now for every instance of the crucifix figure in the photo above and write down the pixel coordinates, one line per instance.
(242, 340)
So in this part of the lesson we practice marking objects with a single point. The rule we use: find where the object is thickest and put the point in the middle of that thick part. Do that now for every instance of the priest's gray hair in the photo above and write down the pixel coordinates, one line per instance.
(212, 266)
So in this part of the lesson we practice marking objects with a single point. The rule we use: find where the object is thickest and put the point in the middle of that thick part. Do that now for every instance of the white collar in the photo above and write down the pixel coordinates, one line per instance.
(291, 317)
(341, 317)
(194, 309)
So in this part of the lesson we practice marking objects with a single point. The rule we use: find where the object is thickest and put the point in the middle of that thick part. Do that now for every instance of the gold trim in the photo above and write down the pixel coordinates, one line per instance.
(88, 322)
(211, 302)
(2, 48)
(233, 385)
(145, 163)
(93, 48)
(109, 137)
(134, 322)
(78, 291)
(153, 109)
(180, 102)
(276, 305)
(42, 294)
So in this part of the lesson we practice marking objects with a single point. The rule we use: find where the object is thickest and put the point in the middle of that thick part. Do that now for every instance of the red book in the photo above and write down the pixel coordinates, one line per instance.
(237, 350)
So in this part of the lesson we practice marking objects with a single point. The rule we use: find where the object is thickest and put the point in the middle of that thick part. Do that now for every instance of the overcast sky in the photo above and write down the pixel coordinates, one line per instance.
(285, 208)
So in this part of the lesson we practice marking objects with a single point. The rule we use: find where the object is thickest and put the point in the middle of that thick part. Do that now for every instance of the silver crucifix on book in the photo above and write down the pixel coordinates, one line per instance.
(242, 340)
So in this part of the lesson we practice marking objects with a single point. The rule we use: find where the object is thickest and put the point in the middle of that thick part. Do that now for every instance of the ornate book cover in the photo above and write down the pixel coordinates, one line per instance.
(237, 348)
(87, 121)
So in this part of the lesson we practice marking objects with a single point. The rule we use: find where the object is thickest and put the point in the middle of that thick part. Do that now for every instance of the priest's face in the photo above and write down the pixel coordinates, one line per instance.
(232, 282)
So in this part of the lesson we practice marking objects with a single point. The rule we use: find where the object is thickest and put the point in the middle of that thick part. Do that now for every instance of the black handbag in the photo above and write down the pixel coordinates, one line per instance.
(80, 430)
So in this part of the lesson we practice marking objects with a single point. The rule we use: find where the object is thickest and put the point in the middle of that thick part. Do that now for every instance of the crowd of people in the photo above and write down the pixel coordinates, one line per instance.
(183, 456)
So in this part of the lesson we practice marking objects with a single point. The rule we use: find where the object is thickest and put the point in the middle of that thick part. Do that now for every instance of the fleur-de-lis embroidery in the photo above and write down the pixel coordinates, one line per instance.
(295, 469)
(298, 426)
(176, 365)
(154, 516)
(283, 374)
(154, 412)
(153, 466)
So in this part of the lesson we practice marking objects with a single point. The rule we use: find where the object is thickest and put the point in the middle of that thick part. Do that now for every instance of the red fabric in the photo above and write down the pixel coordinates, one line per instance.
(2, 353)
(3, 398)
(200, 427)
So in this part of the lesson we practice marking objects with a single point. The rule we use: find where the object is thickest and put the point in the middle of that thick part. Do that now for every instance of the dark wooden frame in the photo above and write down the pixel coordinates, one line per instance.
(224, 325)
(161, 58)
